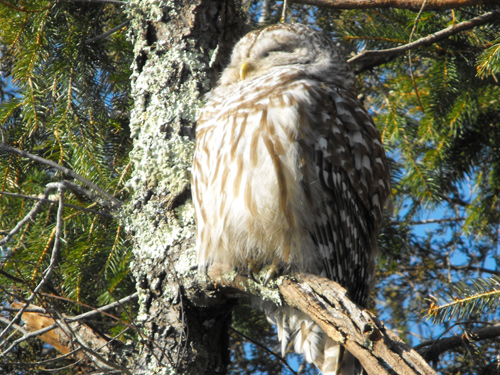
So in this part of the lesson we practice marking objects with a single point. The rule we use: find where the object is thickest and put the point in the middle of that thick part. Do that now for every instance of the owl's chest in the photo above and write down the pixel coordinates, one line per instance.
(262, 139)
(255, 151)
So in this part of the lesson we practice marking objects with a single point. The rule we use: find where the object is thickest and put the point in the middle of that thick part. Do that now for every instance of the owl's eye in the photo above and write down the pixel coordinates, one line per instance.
(280, 48)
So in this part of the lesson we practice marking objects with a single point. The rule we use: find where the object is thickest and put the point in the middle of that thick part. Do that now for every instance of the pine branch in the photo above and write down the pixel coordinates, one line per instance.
(50, 201)
(30, 216)
(489, 61)
(63, 185)
(414, 5)
(379, 350)
(114, 202)
(369, 59)
(466, 300)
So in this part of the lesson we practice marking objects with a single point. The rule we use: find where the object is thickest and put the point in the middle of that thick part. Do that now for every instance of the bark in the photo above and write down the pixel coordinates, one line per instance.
(179, 50)
(379, 350)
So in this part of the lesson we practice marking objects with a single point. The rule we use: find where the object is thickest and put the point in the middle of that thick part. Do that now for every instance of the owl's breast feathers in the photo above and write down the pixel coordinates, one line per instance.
(289, 168)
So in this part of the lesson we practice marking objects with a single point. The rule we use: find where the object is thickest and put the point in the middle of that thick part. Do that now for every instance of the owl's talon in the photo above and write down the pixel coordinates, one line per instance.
(271, 274)
(251, 271)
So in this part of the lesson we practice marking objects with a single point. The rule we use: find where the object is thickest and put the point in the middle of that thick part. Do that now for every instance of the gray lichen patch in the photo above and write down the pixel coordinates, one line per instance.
(167, 97)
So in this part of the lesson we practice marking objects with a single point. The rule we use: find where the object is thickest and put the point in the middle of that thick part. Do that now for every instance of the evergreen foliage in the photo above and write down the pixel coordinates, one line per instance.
(467, 300)
(65, 96)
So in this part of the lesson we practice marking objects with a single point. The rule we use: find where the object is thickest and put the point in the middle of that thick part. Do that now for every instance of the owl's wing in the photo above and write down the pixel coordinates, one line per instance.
(351, 170)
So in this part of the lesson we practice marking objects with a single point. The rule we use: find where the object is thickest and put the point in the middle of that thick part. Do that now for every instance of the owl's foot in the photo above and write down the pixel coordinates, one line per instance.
(255, 272)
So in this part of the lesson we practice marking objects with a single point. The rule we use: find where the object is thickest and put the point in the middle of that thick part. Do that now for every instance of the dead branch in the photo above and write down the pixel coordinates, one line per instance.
(378, 349)
(415, 5)
(35, 321)
(369, 59)
(431, 350)
(48, 271)
(75, 337)
(67, 319)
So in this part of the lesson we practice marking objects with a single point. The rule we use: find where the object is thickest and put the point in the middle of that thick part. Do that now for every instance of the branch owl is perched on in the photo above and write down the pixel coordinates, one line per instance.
(289, 171)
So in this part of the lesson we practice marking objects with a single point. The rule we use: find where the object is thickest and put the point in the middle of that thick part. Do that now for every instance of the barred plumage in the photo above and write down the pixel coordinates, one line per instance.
(289, 170)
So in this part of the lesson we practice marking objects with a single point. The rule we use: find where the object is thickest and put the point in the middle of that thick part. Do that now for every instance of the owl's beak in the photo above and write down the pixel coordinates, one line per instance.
(245, 68)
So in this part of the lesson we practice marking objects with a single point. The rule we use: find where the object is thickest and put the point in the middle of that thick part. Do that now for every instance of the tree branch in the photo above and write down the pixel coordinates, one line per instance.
(48, 271)
(40, 325)
(428, 221)
(50, 201)
(379, 350)
(369, 59)
(263, 347)
(116, 2)
(107, 33)
(431, 350)
(30, 216)
(415, 5)
(114, 202)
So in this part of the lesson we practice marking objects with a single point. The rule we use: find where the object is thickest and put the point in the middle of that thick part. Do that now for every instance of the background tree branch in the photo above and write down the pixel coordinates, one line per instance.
(113, 202)
(432, 349)
(369, 59)
(415, 5)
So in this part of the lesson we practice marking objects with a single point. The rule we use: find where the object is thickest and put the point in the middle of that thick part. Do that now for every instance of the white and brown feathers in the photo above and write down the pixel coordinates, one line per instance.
(289, 170)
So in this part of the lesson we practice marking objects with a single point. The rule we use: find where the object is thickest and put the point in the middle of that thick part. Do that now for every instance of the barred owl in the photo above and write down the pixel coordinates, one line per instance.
(289, 172)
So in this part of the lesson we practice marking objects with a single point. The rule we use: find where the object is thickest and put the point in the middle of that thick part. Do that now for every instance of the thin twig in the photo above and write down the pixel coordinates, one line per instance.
(117, 2)
(369, 59)
(101, 309)
(30, 216)
(115, 202)
(107, 33)
(97, 358)
(18, 327)
(283, 13)
(50, 201)
(432, 349)
(51, 360)
(280, 358)
(474, 269)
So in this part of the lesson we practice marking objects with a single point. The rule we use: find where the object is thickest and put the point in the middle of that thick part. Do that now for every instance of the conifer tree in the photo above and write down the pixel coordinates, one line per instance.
(98, 107)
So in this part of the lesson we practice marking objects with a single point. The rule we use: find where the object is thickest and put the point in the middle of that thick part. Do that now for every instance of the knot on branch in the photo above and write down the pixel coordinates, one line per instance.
(372, 333)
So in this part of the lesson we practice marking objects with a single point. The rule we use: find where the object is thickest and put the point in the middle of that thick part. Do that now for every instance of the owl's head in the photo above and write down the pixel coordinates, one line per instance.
(292, 46)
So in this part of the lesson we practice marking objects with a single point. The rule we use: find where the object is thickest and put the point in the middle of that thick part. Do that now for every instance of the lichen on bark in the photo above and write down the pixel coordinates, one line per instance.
(178, 49)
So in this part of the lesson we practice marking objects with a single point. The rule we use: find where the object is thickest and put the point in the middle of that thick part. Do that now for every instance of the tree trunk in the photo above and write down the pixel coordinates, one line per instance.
(179, 50)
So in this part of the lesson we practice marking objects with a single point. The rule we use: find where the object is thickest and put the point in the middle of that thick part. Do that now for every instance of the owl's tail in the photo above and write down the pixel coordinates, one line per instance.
(297, 329)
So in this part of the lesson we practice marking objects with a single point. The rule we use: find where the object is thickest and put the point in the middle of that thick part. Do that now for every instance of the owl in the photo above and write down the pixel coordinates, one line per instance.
(289, 173)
